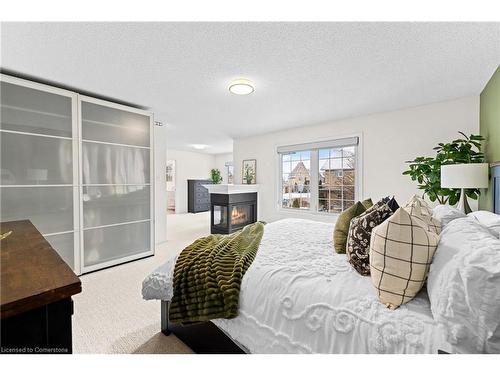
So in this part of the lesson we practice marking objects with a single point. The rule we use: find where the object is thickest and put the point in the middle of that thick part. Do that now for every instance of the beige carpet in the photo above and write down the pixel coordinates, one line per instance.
(110, 314)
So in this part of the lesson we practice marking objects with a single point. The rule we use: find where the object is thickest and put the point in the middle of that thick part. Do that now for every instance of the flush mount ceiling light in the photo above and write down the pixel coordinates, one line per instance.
(199, 147)
(241, 87)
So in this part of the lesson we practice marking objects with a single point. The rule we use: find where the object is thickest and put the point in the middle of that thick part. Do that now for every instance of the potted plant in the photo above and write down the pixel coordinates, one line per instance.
(427, 170)
(215, 176)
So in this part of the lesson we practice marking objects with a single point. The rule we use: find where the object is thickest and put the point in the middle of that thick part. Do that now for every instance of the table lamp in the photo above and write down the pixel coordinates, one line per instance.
(464, 176)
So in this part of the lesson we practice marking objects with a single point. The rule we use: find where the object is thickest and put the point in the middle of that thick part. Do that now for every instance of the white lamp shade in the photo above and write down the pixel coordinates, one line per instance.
(464, 176)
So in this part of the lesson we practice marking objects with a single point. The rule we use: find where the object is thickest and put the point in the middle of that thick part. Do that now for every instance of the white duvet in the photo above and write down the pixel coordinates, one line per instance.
(299, 296)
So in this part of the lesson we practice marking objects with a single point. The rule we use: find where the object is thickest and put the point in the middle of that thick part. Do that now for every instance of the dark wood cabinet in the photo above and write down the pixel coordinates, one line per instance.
(198, 196)
(36, 290)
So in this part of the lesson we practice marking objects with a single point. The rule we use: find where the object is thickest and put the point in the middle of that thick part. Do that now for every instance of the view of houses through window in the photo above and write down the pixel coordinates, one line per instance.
(335, 188)
(296, 186)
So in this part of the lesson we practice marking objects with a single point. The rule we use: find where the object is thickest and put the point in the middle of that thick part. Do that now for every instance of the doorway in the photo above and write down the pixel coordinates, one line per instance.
(170, 173)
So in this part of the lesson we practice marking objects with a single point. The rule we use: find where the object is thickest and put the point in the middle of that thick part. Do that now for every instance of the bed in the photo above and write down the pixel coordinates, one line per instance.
(299, 296)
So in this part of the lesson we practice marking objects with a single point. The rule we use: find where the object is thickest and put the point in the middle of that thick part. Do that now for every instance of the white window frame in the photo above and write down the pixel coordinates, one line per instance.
(310, 146)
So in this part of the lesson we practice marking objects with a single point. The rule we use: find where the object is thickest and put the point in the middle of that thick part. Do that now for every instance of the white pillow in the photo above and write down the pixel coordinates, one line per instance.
(416, 206)
(464, 286)
(489, 219)
(446, 213)
(419, 204)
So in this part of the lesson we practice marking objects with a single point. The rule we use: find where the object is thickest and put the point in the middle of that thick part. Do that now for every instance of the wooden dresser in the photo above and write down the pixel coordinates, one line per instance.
(36, 289)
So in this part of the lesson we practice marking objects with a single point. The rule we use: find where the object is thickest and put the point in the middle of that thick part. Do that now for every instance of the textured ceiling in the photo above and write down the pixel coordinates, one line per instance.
(305, 73)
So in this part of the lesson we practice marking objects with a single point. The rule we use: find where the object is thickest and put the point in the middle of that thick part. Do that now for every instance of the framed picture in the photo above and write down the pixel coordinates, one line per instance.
(249, 172)
(170, 172)
(229, 170)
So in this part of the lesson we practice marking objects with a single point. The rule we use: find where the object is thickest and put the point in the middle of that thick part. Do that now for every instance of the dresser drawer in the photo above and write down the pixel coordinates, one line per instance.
(201, 195)
(204, 200)
(200, 189)
(203, 207)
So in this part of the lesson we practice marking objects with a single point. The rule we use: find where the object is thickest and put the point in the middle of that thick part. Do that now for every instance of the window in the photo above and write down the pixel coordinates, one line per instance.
(296, 184)
(319, 177)
(336, 184)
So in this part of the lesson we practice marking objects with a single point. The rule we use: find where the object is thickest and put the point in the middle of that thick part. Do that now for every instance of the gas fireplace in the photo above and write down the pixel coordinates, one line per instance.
(232, 211)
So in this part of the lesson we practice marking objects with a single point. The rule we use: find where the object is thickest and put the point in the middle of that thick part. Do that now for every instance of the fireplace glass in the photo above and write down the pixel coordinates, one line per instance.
(230, 218)
(231, 212)
(241, 215)
(220, 216)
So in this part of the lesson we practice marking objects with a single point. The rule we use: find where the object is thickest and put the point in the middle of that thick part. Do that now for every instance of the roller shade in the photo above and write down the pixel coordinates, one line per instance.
(342, 142)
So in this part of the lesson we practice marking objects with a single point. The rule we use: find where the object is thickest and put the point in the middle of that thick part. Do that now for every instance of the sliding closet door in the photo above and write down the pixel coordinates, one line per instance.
(116, 184)
(39, 162)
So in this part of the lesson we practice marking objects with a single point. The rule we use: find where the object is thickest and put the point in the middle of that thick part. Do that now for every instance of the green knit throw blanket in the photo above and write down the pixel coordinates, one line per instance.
(208, 274)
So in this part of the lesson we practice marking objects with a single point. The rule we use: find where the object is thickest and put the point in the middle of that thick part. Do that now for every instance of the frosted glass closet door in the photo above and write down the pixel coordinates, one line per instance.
(38, 161)
(116, 190)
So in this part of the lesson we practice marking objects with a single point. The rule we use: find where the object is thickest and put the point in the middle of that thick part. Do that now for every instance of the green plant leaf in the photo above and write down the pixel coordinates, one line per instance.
(426, 170)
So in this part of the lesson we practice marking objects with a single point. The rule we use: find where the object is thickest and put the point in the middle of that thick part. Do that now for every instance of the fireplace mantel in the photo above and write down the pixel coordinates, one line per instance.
(231, 189)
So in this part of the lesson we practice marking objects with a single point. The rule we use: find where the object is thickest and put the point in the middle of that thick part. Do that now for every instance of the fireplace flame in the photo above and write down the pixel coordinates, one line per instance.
(238, 216)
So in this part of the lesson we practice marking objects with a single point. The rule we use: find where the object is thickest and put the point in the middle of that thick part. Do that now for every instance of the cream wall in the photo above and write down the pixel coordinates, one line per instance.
(188, 165)
(387, 140)
(220, 163)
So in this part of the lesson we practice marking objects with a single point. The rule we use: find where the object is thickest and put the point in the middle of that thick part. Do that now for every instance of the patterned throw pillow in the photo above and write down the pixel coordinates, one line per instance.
(416, 206)
(401, 252)
(343, 221)
(358, 239)
(378, 204)
(393, 205)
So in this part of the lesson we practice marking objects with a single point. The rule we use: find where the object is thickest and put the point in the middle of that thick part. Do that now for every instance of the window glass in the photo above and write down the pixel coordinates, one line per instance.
(296, 180)
(336, 179)
(334, 186)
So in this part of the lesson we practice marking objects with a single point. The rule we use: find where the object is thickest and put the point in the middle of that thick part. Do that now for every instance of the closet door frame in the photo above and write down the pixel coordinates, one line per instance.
(151, 251)
(75, 157)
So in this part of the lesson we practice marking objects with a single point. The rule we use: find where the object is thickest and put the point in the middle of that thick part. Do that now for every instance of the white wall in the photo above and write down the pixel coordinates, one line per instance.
(160, 145)
(188, 165)
(388, 140)
(220, 163)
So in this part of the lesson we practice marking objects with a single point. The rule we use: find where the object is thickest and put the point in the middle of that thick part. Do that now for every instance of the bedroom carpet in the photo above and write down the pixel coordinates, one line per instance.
(110, 314)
